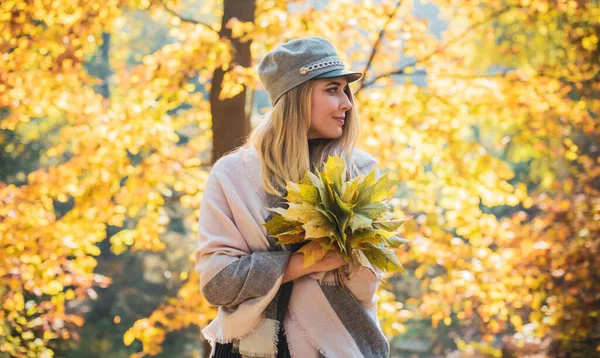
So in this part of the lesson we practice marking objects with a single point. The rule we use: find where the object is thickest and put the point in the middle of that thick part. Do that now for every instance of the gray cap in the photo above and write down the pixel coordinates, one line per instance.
(298, 61)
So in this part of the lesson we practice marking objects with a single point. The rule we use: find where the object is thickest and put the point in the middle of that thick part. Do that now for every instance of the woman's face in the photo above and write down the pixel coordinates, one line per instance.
(329, 106)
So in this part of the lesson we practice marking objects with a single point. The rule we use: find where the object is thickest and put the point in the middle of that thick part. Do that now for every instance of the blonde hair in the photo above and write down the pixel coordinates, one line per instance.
(282, 140)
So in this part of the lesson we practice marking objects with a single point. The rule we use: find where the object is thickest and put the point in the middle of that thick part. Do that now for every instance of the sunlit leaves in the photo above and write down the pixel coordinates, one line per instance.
(114, 161)
(491, 133)
(174, 314)
(478, 141)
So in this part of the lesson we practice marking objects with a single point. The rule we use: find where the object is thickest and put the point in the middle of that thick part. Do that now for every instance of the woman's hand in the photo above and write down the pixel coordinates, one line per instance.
(296, 269)
(331, 261)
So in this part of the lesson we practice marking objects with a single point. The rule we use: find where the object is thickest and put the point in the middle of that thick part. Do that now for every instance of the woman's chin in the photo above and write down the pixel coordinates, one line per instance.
(334, 134)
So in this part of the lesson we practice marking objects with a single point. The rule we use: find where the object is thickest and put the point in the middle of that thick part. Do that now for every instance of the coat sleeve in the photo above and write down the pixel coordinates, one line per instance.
(229, 272)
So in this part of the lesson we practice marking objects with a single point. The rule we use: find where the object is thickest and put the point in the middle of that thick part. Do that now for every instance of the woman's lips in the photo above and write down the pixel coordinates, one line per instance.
(340, 120)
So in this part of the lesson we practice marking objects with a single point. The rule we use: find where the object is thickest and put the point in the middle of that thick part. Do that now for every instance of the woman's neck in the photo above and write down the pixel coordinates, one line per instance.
(312, 143)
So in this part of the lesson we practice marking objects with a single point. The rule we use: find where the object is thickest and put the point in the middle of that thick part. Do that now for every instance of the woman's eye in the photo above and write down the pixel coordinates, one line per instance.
(333, 90)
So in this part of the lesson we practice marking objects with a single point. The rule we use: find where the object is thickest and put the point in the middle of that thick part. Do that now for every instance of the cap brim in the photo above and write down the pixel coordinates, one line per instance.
(351, 76)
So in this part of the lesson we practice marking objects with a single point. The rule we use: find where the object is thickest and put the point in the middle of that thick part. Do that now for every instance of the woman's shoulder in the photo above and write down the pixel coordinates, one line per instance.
(363, 158)
(241, 166)
(232, 161)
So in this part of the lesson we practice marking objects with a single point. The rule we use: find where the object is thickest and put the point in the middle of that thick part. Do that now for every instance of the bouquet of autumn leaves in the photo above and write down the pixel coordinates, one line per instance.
(328, 212)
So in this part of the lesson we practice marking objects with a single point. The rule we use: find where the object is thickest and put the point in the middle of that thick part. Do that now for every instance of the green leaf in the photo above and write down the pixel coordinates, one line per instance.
(363, 236)
(306, 179)
(341, 242)
(365, 188)
(326, 212)
(368, 239)
(318, 183)
(302, 212)
(314, 179)
(359, 221)
(384, 259)
(350, 191)
(329, 195)
(384, 234)
(396, 241)
(335, 172)
(382, 187)
(363, 233)
(370, 193)
(319, 226)
(343, 212)
(372, 210)
(368, 180)
(293, 192)
(298, 193)
(278, 224)
(364, 261)
(389, 225)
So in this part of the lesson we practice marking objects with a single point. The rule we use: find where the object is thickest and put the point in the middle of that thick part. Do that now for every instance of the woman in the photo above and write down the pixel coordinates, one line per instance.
(242, 270)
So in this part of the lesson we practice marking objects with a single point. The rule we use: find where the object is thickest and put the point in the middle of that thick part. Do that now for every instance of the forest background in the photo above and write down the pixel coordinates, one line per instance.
(112, 113)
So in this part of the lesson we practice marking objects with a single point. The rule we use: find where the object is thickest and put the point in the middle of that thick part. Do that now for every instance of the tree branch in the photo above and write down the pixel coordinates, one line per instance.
(189, 21)
(379, 38)
(402, 70)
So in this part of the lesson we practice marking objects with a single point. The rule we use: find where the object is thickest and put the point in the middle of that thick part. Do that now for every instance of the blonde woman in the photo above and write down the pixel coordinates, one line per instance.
(269, 305)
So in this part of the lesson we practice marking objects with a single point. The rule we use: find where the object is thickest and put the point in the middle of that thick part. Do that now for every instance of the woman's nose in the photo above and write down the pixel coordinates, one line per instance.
(345, 104)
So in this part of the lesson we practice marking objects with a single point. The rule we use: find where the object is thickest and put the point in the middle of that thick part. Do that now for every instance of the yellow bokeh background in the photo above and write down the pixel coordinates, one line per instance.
(112, 113)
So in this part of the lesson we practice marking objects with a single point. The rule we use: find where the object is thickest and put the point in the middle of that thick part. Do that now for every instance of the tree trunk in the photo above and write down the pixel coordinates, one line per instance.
(231, 117)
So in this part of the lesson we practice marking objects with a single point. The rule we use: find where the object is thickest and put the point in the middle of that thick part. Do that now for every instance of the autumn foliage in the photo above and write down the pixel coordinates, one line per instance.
(490, 126)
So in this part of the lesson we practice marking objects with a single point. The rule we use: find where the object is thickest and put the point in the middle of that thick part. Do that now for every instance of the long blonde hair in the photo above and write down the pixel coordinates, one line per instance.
(282, 140)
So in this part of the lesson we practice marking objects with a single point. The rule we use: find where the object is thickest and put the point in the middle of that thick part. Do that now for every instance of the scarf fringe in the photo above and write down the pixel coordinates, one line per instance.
(327, 283)
(289, 343)
(210, 337)
(213, 340)
(305, 334)
(274, 340)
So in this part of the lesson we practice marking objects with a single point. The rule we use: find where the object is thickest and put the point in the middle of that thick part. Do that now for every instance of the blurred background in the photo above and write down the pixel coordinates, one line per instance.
(112, 113)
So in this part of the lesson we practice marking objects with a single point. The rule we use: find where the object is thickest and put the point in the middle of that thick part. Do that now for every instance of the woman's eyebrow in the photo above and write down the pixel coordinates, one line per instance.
(334, 83)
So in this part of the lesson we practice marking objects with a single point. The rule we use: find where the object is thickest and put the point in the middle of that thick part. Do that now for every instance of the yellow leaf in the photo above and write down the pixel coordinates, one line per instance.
(319, 227)
(278, 224)
(303, 212)
(290, 237)
(335, 172)
(298, 193)
(313, 252)
(350, 191)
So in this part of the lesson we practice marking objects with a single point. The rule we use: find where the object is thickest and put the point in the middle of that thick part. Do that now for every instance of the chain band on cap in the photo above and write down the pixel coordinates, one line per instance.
(316, 66)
